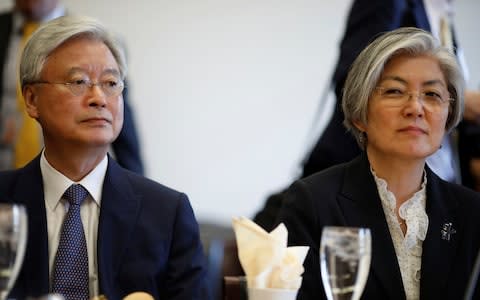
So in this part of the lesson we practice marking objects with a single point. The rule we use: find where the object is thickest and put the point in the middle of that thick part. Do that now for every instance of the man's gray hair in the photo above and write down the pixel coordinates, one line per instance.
(58, 31)
(368, 67)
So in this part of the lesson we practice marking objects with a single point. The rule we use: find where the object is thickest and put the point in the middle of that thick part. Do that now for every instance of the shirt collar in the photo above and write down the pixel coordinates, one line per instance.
(55, 183)
(390, 201)
(412, 211)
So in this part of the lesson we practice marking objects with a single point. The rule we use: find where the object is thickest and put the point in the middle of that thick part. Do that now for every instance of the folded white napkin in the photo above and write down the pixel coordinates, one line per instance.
(265, 257)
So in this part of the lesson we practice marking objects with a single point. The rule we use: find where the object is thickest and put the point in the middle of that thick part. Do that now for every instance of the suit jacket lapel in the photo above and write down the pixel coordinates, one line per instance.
(29, 190)
(118, 215)
(362, 207)
(438, 252)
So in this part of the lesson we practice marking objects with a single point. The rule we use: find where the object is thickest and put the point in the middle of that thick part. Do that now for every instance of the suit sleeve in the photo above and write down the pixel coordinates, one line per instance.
(186, 273)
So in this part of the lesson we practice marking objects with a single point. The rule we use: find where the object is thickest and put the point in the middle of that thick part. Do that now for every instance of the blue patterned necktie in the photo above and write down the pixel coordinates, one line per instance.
(70, 270)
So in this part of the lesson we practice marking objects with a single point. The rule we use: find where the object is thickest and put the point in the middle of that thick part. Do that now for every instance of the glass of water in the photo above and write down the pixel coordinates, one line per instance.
(13, 240)
(345, 254)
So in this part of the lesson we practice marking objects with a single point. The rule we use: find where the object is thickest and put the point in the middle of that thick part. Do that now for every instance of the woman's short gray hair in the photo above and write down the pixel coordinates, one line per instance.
(56, 32)
(368, 67)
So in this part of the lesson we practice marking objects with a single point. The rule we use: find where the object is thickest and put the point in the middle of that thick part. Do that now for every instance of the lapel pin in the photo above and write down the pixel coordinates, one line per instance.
(447, 231)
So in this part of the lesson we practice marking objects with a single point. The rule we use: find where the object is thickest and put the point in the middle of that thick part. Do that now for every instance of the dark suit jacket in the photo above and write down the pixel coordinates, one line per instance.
(148, 237)
(366, 20)
(126, 147)
(346, 195)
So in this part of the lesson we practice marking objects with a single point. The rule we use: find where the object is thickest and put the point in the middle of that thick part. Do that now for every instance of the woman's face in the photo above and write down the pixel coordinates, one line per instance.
(408, 110)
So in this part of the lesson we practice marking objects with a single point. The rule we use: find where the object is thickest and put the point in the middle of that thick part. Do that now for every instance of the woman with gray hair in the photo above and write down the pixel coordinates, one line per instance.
(403, 93)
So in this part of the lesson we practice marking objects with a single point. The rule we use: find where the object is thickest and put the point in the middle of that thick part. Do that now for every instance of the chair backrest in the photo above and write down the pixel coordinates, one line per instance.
(234, 288)
(231, 264)
(222, 257)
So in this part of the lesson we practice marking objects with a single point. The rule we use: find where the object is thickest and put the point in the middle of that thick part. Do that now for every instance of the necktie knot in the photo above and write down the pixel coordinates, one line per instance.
(75, 194)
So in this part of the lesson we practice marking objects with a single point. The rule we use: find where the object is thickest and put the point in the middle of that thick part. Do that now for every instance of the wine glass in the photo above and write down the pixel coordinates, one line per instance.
(13, 240)
(345, 254)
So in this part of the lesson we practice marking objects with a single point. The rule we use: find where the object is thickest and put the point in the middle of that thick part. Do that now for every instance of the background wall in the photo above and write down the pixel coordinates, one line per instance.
(225, 91)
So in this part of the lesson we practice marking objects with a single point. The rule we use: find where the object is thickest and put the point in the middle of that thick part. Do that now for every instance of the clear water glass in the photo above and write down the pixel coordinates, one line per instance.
(13, 240)
(345, 254)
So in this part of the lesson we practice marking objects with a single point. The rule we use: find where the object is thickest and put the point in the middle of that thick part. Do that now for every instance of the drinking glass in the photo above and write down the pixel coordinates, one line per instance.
(13, 239)
(345, 254)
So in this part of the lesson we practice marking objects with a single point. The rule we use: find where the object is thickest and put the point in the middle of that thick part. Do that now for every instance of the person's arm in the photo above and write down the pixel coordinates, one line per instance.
(267, 216)
(186, 270)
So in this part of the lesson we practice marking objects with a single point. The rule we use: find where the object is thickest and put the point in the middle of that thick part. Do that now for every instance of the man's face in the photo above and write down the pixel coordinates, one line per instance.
(35, 10)
(89, 119)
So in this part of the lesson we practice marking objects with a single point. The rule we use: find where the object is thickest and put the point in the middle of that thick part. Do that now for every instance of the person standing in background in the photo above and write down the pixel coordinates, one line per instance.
(20, 136)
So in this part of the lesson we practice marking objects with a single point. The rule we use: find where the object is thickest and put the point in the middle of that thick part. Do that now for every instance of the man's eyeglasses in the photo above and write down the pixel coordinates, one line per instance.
(432, 100)
(79, 87)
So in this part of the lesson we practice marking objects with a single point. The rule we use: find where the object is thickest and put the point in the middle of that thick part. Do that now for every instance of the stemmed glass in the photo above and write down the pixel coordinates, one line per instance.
(13, 240)
(345, 254)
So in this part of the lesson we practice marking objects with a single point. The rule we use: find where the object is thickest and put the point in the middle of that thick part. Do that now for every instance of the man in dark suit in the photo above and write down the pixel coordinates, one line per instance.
(139, 234)
(126, 148)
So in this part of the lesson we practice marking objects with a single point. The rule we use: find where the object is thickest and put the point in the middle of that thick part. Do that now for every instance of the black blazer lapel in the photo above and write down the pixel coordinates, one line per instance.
(118, 216)
(438, 252)
(362, 207)
(29, 191)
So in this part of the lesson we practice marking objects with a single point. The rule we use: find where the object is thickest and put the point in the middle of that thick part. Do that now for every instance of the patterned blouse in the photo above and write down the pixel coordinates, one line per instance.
(408, 247)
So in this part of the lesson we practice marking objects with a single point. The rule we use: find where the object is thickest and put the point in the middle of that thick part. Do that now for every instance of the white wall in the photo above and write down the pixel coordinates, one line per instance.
(225, 90)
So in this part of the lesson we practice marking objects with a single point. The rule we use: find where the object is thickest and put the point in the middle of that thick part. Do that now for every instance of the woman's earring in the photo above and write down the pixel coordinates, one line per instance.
(362, 137)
